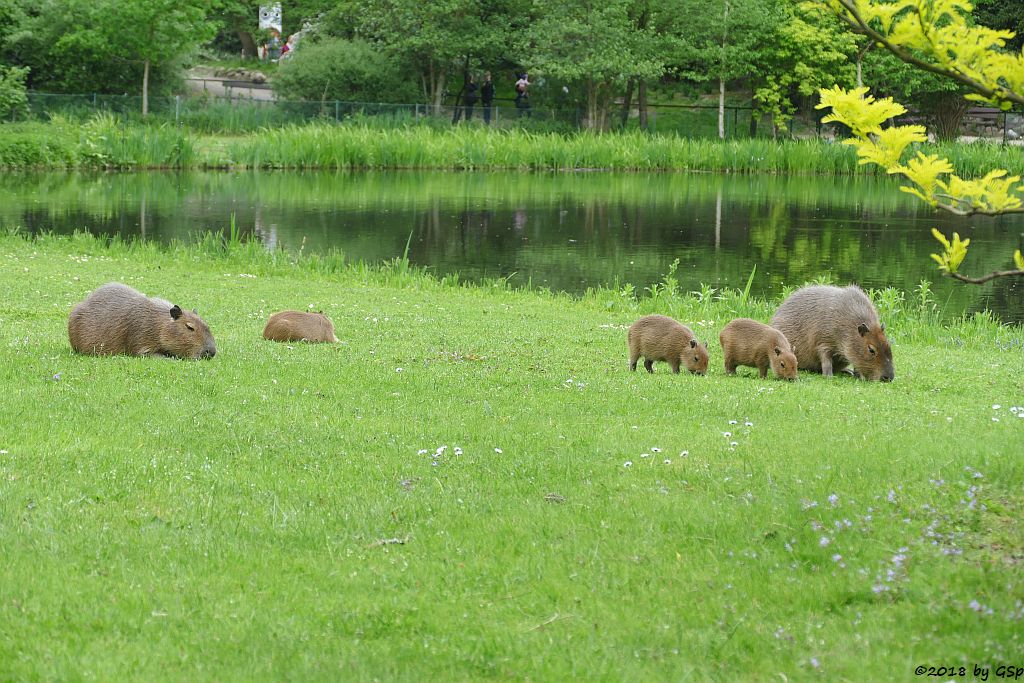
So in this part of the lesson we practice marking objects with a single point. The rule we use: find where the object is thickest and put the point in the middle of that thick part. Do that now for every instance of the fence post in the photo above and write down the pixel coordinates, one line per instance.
(735, 121)
(335, 111)
(1006, 116)
(177, 110)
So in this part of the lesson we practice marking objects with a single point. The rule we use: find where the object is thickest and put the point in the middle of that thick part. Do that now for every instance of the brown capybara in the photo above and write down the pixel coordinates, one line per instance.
(658, 337)
(754, 344)
(299, 326)
(117, 319)
(836, 328)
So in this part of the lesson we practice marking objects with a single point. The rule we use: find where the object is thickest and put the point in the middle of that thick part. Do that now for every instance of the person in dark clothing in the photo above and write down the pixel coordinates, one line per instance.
(469, 98)
(487, 97)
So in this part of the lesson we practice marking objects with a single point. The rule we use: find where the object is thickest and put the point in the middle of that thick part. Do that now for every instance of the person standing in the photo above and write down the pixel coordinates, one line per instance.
(523, 94)
(470, 97)
(487, 97)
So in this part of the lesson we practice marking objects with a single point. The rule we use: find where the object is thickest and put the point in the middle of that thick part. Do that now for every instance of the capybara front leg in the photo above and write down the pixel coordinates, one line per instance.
(649, 365)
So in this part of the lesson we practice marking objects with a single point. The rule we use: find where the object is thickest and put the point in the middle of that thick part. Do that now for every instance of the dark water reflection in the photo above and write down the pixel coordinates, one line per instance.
(565, 232)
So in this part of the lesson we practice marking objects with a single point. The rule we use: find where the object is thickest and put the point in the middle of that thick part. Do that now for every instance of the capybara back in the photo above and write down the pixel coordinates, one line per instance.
(299, 326)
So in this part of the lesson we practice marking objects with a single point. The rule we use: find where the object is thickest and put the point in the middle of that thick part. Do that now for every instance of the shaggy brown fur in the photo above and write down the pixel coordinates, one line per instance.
(660, 338)
(833, 328)
(117, 319)
(754, 344)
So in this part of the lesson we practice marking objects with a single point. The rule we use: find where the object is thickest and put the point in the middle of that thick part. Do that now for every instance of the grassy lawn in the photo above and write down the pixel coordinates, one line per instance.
(472, 485)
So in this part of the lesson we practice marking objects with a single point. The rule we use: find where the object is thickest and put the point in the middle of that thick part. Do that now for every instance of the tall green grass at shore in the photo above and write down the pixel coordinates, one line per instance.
(105, 142)
(472, 485)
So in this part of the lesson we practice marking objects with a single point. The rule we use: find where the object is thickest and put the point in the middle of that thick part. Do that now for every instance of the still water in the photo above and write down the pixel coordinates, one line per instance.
(566, 232)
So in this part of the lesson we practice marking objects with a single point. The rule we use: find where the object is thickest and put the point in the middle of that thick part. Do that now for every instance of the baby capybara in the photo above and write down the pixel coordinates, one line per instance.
(299, 326)
(117, 319)
(754, 344)
(835, 328)
(658, 337)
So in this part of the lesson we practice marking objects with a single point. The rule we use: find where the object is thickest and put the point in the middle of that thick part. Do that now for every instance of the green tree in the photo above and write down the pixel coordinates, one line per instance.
(435, 38)
(718, 41)
(595, 44)
(12, 89)
(800, 51)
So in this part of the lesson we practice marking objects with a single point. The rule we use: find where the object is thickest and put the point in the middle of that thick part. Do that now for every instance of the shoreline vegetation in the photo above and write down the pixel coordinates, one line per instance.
(472, 471)
(105, 142)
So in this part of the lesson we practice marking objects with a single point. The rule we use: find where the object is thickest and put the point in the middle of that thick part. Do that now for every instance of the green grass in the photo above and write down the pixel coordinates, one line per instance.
(105, 141)
(228, 519)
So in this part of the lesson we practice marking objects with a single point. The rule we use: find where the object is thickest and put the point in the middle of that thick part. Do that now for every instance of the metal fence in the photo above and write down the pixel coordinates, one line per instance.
(236, 109)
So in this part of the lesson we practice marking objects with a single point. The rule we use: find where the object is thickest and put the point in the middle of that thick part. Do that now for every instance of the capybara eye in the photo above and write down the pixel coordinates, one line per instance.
(871, 349)
(695, 359)
(783, 363)
(191, 327)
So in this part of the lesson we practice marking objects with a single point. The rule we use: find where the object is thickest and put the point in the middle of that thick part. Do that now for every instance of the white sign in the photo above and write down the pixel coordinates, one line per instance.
(270, 16)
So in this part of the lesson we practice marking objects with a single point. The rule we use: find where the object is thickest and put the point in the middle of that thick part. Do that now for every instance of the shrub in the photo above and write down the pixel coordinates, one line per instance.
(12, 90)
(340, 69)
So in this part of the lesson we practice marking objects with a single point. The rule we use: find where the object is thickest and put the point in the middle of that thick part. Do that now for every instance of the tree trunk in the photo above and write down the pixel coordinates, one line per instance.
(246, 39)
(721, 107)
(641, 103)
(627, 101)
(721, 73)
(591, 104)
(145, 88)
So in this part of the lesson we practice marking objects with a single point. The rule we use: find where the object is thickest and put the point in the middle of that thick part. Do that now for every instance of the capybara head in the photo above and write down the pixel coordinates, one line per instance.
(185, 335)
(695, 357)
(783, 363)
(873, 359)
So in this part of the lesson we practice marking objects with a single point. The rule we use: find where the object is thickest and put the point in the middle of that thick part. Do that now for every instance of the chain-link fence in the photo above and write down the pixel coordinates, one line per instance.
(232, 113)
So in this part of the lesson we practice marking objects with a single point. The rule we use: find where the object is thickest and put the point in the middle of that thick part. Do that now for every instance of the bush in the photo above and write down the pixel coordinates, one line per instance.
(346, 70)
(12, 90)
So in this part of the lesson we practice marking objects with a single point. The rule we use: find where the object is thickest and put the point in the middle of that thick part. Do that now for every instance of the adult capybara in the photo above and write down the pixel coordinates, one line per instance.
(756, 345)
(833, 328)
(117, 319)
(299, 326)
(658, 337)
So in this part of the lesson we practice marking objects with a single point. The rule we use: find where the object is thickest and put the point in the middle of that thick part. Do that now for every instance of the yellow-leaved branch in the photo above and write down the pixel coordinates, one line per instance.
(935, 35)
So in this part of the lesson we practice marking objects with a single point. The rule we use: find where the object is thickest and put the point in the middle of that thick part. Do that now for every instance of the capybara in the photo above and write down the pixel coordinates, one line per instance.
(836, 328)
(299, 326)
(117, 319)
(658, 337)
(754, 344)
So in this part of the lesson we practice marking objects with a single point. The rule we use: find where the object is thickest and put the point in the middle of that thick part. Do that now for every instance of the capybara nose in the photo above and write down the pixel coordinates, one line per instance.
(209, 352)
(888, 378)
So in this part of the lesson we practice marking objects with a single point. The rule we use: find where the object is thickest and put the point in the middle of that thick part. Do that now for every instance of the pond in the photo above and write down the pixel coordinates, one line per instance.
(566, 232)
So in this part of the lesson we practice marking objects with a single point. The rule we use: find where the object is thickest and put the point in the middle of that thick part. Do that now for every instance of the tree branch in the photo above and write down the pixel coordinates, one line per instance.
(973, 210)
(856, 21)
(985, 278)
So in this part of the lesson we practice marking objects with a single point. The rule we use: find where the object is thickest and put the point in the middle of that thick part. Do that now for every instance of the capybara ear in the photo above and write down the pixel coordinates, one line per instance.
(863, 329)
(693, 343)
(883, 327)
(778, 351)
(705, 345)
(195, 311)
(176, 311)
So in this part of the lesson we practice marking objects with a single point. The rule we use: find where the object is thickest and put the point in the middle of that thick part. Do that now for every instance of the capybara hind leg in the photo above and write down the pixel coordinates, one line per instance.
(826, 361)
(632, 361)
(649, 365)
